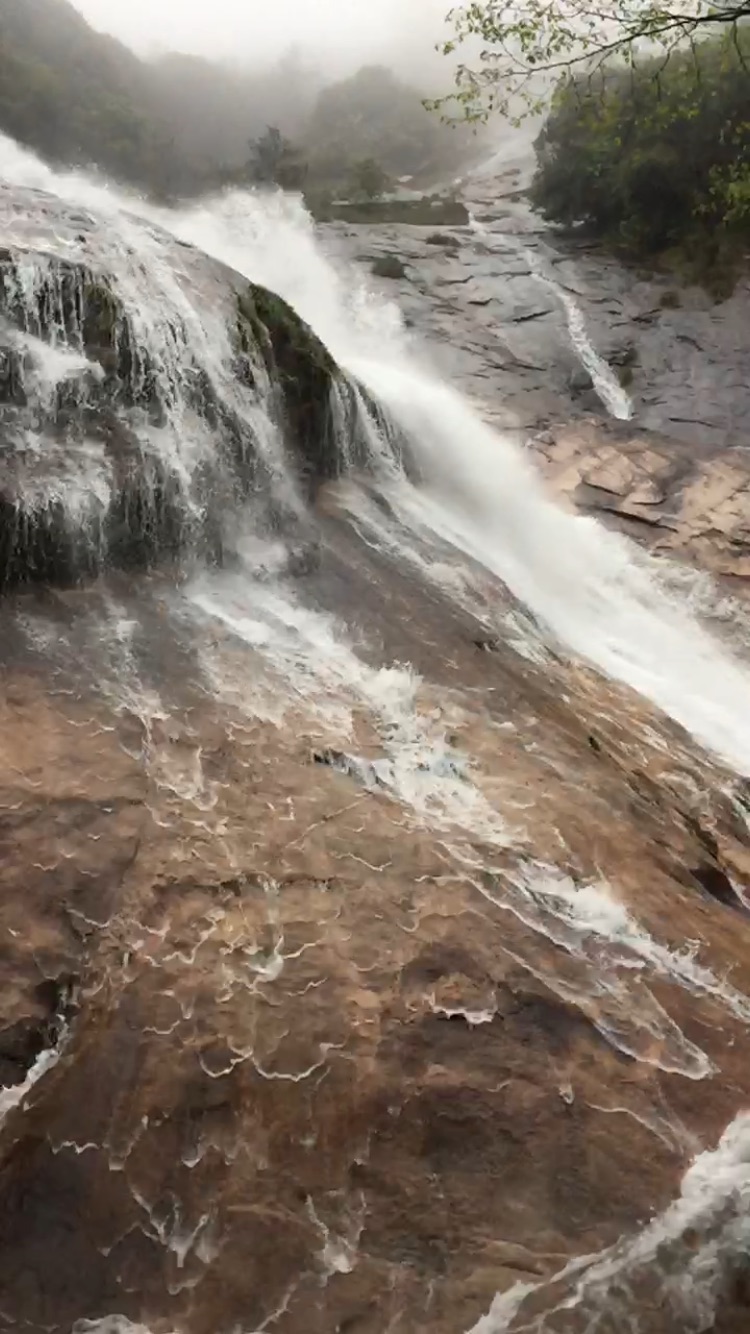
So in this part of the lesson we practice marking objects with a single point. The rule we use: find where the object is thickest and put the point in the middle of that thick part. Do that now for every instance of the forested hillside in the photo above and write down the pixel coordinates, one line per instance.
(375, 115)
(78, 96)
(182, 125)
(654, 156)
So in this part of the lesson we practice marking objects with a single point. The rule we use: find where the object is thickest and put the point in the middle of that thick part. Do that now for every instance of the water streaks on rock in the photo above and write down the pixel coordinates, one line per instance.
(375, 955)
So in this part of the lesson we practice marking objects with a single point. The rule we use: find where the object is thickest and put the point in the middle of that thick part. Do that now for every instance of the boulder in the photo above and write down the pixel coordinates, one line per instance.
(580, 381)
(126, 437)
(444, 240)
(270, 1041)
(389, 266)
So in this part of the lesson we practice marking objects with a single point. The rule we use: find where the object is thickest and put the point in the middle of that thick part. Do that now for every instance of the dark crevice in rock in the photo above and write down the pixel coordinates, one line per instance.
(353, 766)
(704, 836)
(526, 317)
(715, 882)
(22, 1043)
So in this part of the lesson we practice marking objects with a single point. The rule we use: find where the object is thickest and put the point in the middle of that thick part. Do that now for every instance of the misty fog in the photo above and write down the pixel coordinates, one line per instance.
(180, 97)
(336, 35)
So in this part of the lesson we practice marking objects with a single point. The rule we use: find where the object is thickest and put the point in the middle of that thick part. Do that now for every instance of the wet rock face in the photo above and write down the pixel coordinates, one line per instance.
(389, 266)
(502, 332)
(326, 1056)
(338, 994)
(685, 503)
(134, 423)
(305, 378)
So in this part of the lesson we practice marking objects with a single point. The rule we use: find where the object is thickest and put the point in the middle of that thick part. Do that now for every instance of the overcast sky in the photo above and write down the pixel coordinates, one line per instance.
(250, 30)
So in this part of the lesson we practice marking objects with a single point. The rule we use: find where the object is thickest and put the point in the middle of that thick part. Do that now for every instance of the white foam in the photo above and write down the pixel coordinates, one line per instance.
(595, 591)
(615, 961)
(593, 911)
(15, 1094)
(504, 1307)
(48, 365)
(309, 651)
(109, 1324)
(713, 1207)
(586, 584)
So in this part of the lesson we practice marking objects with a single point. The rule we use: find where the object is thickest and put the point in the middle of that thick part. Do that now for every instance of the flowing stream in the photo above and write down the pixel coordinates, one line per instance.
(586, 590)
(605, 382)
(594, 591)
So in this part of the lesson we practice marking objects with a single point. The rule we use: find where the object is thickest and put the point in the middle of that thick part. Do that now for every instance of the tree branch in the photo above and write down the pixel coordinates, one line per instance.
(547, 38)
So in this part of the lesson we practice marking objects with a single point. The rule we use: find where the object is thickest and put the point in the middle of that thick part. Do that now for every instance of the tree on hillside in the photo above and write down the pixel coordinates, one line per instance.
(373, 114)
(367, 179)
(528, 44)
(655, 157)
(274, 160)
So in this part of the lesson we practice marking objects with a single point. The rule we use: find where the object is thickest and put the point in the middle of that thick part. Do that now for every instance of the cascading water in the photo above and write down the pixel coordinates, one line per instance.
(592, 588)
(478, 506)
(139, 397)
(615, 399)
(606, 1290)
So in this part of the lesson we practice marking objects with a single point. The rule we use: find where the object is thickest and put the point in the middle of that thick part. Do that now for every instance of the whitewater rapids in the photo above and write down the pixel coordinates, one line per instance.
(594, 590)
(589, 593)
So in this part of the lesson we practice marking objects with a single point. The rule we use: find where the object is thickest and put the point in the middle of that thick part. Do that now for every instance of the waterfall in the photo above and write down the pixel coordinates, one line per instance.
(604, 380)
(145, 408)
(615, 399)
(143, 401)
(592, 589)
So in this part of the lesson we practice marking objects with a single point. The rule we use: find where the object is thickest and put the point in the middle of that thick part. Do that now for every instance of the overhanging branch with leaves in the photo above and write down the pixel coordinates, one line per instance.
(522, 48)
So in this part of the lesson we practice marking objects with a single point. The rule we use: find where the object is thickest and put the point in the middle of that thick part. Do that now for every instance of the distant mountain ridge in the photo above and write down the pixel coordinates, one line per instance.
(182, 125)
(77, 96)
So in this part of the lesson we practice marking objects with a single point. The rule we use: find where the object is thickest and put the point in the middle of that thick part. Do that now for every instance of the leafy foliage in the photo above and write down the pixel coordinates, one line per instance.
(654, 156)
(524, 46)
(181, 125)
(368, 180)
(373, 115)
(274, 160)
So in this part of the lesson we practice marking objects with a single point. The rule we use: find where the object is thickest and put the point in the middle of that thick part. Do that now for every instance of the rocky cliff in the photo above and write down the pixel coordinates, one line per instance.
(369, 961)
(129, 431)
(509, 307)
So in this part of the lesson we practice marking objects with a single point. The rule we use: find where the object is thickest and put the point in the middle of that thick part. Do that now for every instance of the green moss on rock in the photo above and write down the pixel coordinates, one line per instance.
(303, 371)
(146, 517)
